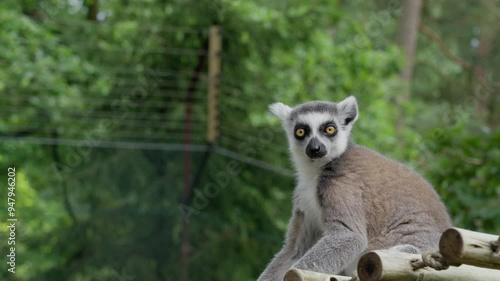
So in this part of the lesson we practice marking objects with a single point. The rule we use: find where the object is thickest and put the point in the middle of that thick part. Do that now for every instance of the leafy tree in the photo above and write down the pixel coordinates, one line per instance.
(95, 78)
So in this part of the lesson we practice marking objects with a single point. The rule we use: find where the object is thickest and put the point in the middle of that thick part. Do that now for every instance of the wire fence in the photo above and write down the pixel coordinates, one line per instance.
(138, 107)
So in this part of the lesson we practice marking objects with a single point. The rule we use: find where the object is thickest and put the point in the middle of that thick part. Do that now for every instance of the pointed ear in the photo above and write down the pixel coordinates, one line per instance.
(348, 111)
(282, 111)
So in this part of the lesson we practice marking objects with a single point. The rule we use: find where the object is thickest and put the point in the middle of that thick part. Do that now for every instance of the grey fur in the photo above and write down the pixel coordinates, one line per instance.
(366, 202)
(314, 106)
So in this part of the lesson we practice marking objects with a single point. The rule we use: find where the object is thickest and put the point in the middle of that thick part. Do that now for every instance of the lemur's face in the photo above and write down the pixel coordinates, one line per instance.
(318, 131)
(316, 135)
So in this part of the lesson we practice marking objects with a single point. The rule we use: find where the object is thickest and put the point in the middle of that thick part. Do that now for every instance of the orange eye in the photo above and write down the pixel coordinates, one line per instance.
(300, 132)
(330, 130)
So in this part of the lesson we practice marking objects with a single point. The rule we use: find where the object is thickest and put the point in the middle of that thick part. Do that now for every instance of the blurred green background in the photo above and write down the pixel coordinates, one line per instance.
(103, 109)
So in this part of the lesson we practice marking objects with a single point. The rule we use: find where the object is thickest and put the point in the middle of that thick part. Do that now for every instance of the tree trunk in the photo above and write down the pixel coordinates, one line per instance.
(93, 10)
(407, 34)
(409, 23)
(483, 92)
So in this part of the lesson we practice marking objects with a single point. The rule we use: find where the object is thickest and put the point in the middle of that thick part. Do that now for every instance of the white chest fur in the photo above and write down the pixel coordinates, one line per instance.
(307, 201)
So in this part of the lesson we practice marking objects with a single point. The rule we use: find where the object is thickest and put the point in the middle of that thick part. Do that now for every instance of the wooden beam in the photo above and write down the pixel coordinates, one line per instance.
(296, 274)
(389, 265)
(469, 247)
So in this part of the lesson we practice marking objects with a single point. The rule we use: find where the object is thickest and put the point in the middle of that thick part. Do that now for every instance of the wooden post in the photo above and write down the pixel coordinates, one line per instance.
(214, 66)
(188, 183)
(389, 265)
(469, 247)
(296, 274)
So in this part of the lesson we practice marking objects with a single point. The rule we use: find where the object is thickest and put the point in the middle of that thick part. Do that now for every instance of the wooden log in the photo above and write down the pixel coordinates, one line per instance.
(296, 274)
(469, 247)
(388, 265)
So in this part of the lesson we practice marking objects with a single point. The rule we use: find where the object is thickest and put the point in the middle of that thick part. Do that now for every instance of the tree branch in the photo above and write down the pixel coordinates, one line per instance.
(446, 51)
(491, 6)
(437, 70)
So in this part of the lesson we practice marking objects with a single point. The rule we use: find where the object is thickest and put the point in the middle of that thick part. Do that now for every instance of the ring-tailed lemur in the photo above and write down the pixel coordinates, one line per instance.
(348, 199)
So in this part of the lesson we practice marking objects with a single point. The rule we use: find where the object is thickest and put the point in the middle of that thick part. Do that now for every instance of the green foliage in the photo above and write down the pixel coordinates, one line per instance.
(38, 69)
(93, 213)
(470, 187)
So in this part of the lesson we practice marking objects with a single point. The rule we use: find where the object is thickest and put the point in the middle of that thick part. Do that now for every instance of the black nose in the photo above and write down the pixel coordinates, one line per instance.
(315, 149)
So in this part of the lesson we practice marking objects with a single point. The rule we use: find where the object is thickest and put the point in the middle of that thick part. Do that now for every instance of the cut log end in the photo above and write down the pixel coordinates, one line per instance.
(370, 267)
(292, 275)
(296, 274)
(495, 246)
(451, 244)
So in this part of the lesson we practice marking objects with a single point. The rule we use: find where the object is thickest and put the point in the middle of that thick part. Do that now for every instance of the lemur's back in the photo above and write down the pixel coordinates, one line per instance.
(398, 202)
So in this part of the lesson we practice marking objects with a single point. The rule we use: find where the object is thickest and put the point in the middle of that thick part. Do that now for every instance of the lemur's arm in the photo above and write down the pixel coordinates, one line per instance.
(345, 235)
